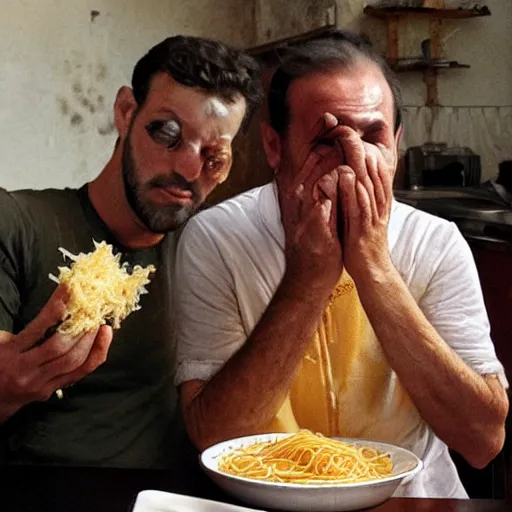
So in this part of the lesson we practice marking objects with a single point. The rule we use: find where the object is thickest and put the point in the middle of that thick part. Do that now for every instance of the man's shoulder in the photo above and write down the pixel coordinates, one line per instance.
(421, 243)
(30, 215)
(230, 233)
(48, 196)
(414, 228)
(236, 214)
(36, 202)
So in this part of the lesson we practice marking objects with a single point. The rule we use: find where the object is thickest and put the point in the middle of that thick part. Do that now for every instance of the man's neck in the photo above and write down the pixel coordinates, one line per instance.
(108, 198)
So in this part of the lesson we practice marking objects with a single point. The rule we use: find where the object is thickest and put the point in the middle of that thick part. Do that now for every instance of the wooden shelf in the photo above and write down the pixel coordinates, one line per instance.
(426, 66)
(393, 15)
(397, 12)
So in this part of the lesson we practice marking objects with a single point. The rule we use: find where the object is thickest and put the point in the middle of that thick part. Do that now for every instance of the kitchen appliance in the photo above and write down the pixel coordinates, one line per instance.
(437, 165)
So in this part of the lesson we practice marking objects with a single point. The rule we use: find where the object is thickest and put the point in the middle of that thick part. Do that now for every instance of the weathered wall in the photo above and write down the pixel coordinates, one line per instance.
(61, 64)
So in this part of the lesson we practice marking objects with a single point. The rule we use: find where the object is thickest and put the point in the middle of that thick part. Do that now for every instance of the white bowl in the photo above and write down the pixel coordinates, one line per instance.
(308, 497)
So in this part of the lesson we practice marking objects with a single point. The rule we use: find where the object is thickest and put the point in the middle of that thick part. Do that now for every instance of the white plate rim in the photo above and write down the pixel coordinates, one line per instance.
(206, 455)
(146, 497)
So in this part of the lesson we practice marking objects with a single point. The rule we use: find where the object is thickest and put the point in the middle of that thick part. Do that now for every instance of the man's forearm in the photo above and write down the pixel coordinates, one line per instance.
(464, 409)
(249, 390)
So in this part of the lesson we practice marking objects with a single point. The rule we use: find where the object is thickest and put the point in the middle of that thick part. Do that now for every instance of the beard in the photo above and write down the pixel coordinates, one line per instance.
(157, 218)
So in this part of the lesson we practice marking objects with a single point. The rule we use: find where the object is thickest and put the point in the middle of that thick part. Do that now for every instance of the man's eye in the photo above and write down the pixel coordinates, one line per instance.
(166, 133)
(214, 164)
(218, 163)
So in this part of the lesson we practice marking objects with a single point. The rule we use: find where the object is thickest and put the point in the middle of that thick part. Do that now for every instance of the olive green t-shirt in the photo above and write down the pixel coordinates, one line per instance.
(124, 413)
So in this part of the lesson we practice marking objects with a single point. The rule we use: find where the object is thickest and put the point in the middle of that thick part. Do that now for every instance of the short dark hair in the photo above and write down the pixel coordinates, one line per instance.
(202, 63)
(335, 48)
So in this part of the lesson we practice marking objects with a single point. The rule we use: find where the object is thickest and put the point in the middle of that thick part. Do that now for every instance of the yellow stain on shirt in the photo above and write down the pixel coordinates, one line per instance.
(344, 385)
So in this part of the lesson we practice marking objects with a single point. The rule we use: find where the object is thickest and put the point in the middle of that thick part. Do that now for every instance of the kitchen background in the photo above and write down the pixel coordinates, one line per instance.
(62, 62)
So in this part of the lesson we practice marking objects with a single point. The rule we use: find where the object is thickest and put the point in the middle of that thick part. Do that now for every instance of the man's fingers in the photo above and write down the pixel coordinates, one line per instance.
(316, 228)
(348, 196)
(310, 165)
(6, 337)
(53, 312)
(324, 124)
(354, 151)
(70, 359)
(386, 175)
(374, 186)
(364, 200)
(326, 209)
(55, 347)
(96, 356)
(329, 154)
(326, 186)
(381, 174)
(330, 121)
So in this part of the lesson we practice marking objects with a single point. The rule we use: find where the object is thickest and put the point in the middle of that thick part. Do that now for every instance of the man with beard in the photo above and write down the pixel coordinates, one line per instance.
(188, 99)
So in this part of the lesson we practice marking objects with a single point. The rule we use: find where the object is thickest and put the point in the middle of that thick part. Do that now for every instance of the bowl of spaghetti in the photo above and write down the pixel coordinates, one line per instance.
(306, 471)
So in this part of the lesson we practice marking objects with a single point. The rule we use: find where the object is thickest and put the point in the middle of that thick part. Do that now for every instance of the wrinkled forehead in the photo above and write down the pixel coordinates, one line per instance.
(360, 90)
(200, 113)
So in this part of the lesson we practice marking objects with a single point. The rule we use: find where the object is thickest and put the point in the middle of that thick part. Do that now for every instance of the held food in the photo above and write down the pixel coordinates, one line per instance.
(101, 289)
(307, 458)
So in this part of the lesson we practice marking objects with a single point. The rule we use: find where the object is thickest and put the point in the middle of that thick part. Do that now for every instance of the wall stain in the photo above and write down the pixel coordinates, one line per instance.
(88, 105)
(63, 105)
(94, 15)
(84, 105)
(107, 128)
(76, 119)
(101, 72)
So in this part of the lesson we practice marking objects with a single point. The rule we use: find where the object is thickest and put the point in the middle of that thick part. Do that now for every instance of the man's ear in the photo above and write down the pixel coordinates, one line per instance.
(272, 145)
(124, 110)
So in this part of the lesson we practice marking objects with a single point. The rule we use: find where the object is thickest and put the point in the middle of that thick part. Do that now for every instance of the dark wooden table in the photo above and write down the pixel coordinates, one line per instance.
(59, 489)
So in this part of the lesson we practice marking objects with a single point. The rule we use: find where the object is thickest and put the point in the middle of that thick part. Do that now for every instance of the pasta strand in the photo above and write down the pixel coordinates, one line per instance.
(307, 458)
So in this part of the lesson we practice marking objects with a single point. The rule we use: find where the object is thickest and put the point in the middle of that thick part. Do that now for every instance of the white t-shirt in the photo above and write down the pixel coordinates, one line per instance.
(231, 260)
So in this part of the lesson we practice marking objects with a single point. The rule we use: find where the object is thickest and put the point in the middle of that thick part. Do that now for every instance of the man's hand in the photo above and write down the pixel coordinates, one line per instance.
(413, 347)
(31, 371)
(308, 202)
(365, 187)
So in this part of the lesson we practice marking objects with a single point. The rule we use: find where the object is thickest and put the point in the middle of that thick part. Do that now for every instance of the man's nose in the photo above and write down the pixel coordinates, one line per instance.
(188, 162)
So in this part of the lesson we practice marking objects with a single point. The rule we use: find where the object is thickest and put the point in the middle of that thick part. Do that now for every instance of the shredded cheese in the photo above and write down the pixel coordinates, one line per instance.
(101, 289)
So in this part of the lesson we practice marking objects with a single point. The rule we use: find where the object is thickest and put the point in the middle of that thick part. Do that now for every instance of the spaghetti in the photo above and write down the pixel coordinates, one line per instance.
(307, 458)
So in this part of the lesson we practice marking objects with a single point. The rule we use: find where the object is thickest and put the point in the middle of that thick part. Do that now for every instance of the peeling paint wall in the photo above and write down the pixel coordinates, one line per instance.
(61, 64)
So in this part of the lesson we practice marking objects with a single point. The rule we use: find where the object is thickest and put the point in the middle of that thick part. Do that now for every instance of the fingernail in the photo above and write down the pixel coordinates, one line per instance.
(330, 120)
(327, 207)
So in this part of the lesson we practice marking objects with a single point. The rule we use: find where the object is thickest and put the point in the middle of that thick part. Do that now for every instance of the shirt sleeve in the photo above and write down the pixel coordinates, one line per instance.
(454, 305)
(209, 329)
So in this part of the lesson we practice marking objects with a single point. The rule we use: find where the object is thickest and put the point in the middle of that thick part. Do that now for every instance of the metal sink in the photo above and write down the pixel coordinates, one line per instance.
(475, 211)
(444, 193)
